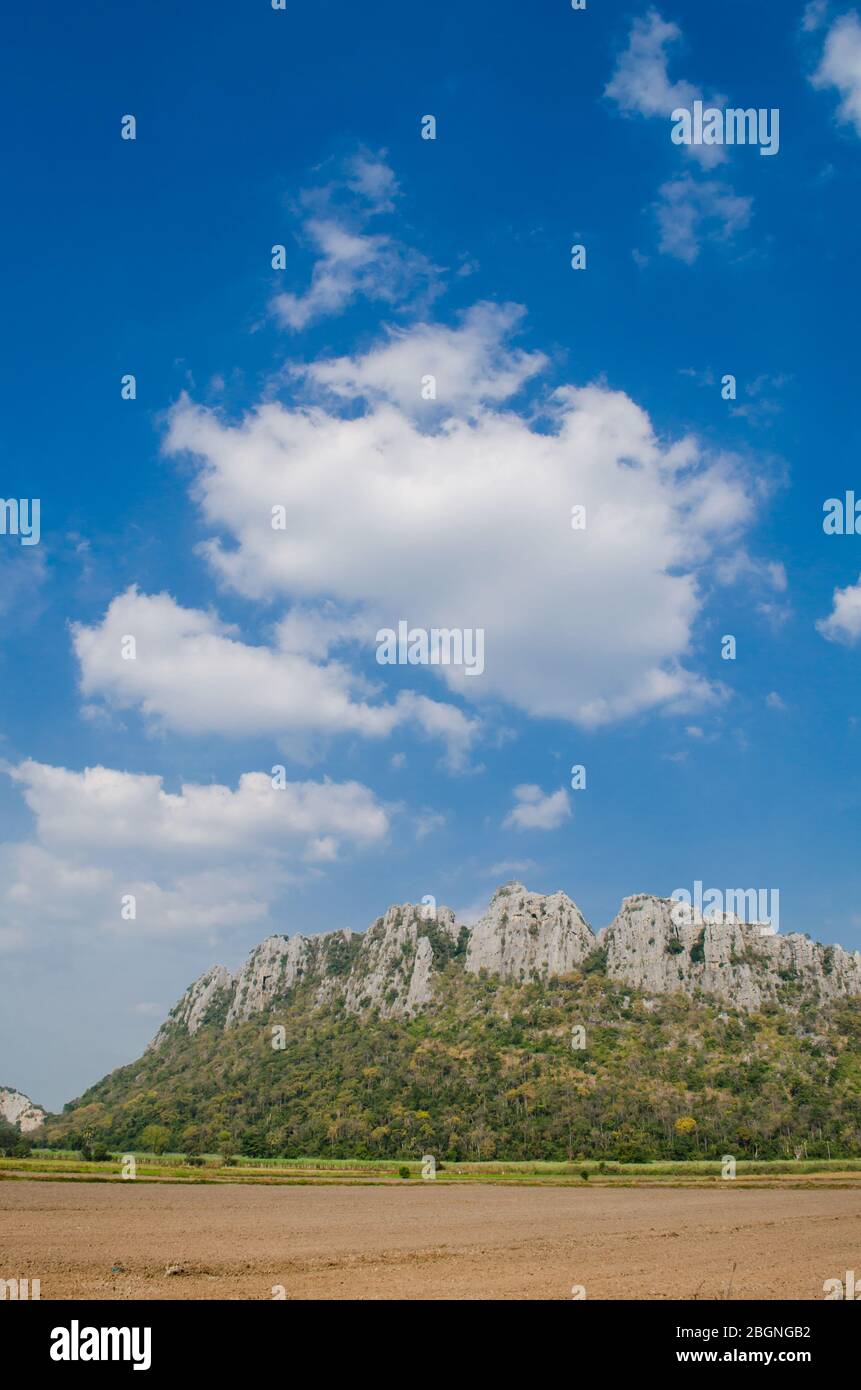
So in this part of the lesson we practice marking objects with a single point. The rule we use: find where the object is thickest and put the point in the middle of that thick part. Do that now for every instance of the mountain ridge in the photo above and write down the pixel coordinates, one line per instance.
(522, 1035)
(650, 945)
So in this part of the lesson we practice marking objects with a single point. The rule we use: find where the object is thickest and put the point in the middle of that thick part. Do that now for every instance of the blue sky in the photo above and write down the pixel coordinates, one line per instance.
(301, 387)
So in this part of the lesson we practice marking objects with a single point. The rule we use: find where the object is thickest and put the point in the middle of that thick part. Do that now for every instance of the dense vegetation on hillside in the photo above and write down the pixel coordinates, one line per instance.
(489, 1071)
(12, 1141)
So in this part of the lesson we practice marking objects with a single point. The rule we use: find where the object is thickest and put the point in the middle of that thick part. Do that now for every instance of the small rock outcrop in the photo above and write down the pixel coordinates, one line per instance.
(201, 1002)
(19, 1110)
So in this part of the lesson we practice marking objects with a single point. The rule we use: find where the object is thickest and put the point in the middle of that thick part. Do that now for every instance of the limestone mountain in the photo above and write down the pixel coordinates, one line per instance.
(521, 1035)
(522, 936)
(19, 1111)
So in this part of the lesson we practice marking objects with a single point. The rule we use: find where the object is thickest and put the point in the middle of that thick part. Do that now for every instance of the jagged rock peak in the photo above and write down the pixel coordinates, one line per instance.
(525, 933)
(506, 889)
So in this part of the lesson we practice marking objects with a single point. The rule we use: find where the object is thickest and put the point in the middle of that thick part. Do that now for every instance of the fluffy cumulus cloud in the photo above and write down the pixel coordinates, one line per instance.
(535, 810)
(191, 673)
(843, 623)
(641, 83)
(201, 859)
(461, 519)
(840, 67)
(463, 367)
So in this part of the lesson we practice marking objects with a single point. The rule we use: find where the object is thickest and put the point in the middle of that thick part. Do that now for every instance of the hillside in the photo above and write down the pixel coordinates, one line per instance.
(428, 1035)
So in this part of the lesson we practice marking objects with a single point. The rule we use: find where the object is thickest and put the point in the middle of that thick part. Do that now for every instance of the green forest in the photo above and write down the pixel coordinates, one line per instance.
(491, 1070)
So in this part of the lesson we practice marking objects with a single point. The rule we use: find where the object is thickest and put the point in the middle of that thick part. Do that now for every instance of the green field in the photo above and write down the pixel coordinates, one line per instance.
(69, 1166)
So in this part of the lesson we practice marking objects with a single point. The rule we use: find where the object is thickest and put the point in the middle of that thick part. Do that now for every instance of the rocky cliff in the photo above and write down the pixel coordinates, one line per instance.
(18, 1110)
(653, 947)
(522, 936)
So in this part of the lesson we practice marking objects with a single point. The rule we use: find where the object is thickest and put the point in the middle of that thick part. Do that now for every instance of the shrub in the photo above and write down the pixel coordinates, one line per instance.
(596, 962)
(698, 950)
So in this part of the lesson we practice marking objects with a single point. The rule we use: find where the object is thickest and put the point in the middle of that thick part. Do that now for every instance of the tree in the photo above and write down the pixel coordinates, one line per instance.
(9, 1137)
(191, 1140)
(227, 1148)
(155, 1139)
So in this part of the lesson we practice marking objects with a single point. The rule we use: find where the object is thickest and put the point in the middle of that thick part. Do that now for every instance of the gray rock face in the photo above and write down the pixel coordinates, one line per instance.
(18, 1110)
(392, 966)
(733, 960)
(523, 933)
(213, 987)
(272, 969)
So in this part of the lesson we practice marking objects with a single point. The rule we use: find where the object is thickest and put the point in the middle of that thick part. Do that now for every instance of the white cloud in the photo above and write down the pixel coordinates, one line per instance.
(469, 365)
(202, 859)
(467, 524)
(533, 810)
(193, 675)
(776, 572)
(843, 623)
(641, 82)
(741, 565)
(691, 212)
(775, 701)
(129, 812)
(687, 211)
(371, 178)
(352, 261)
(840, 67)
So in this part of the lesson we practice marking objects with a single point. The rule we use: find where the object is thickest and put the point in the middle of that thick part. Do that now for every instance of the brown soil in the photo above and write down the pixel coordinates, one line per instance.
(428, 1241)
